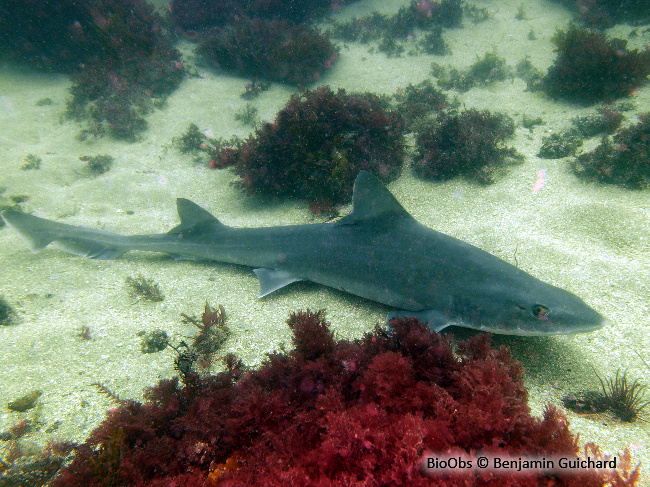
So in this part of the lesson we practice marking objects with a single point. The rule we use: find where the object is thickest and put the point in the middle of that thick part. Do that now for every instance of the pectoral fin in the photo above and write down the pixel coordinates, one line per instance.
(435, 319)
(273, 279)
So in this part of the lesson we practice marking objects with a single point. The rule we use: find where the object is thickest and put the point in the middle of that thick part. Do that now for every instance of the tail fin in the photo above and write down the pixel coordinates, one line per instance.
(38, 233)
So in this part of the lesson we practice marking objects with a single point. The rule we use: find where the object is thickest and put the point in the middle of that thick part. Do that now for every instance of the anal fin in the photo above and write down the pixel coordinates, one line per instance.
(89, 248)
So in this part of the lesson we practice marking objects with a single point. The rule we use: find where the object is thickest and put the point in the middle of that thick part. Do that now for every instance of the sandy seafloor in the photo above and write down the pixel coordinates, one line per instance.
(591, 240)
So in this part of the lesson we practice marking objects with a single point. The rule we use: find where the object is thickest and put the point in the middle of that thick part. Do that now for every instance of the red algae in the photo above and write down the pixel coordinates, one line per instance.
(468, 144)
(591, 68)
(361, 412)
(119, 53)
(269, 49)
(621, 159)
(317, 145)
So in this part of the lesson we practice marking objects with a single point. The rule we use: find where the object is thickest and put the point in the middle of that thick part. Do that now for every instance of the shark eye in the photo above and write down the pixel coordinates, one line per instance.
(540, 312)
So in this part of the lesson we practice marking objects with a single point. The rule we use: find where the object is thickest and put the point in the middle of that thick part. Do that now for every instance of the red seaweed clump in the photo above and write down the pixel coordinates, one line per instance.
(45, 34)
(119, 53)
(468, 144)
(297, 11)
(269, 49)
(605, 13)
(623, 159)
(416, 102)
(424, 15)
(193, 15)
(317, 145)
(589, 68)
(361, 413)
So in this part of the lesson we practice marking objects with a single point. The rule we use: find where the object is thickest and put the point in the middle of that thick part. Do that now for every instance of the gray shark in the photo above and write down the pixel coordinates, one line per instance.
(378, 251)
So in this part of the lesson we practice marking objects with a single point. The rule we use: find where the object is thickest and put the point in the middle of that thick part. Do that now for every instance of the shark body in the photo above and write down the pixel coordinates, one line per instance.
(378, 251)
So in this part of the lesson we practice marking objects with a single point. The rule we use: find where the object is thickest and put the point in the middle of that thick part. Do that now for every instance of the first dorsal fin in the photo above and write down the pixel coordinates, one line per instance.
(371, 199)
(192, 215)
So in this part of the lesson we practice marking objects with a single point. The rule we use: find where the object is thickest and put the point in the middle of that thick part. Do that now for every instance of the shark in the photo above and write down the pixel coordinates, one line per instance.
(378, 251)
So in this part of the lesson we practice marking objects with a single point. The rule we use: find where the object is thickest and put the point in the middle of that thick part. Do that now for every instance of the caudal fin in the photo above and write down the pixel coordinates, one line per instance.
(38, 233)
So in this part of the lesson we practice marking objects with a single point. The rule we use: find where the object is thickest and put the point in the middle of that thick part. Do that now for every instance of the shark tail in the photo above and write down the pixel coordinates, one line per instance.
(38, 233)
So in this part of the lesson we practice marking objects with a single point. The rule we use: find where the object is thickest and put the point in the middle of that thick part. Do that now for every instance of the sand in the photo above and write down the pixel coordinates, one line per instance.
(591, 240)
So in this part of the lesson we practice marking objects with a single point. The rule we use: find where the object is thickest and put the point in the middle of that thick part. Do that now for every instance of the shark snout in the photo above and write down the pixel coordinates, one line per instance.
(566, 313)
(579, 317)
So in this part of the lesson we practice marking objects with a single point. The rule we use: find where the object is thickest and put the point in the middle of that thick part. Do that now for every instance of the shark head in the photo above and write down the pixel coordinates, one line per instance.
(525, 307)
(540, 309)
